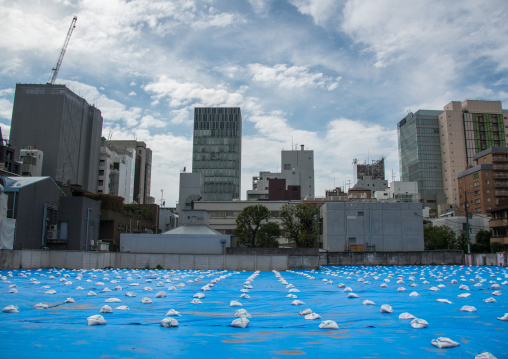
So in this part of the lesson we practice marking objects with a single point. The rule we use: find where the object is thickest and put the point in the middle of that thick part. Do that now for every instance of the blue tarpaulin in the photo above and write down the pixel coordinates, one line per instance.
(276, 328)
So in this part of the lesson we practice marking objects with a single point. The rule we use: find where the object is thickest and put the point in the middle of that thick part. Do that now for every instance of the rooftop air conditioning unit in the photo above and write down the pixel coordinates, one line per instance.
(52, 234)
(52, 227)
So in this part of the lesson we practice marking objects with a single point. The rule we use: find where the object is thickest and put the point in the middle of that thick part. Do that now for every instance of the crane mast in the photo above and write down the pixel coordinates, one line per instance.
(62, 53)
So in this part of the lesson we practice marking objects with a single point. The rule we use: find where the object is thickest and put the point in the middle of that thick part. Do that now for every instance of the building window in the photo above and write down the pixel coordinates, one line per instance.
(486, 173)
(477, 201)
(488, 199)
(287, 166)
(476, 184)
(101, 172)
(101, 162)
(487, 182)
(101, 182)
(476, 175)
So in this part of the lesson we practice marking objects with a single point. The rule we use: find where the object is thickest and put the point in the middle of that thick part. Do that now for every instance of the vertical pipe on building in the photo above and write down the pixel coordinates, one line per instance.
(43, 222)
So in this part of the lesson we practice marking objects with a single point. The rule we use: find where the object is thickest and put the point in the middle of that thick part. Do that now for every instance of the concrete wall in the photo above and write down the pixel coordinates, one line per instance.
(489, 259)
(395, 258)
(173, 243)
(14, 259)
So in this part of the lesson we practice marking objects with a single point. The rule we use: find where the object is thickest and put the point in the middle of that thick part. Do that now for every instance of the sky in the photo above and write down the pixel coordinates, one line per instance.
(334, 75)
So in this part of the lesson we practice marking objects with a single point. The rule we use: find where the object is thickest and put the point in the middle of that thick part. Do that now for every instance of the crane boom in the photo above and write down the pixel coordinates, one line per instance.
(62, 53)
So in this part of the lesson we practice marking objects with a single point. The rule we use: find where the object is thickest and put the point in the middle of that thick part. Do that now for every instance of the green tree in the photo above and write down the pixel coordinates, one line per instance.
(461, 241)
(268, 235)
(300, 224)
(496, 247)
(482, 244)
(438, 237)
(249, 222)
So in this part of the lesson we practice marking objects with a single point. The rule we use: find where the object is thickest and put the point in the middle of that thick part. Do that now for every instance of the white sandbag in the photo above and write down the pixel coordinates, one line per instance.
(384, 285)
(407, 316)
(464, 295)
(434, 289)
(454, 281)
(205, 288)
(169, 323)
(13, 290)
(79, 288)
(312, 316)
(401, 289)
(41, 306)
(235, 303)
(148, 289)
(69, 300)
(96, 320)
(443, 301)
(347, 289)
(297, 302)
(385, 308)
(10, 309)
(173, 313)
(112, 300)
(291, 296)
(160, 295)
(443, 343)
(242, 313)
(368, 302)
(352, 295)
(122, 307)
(305, 311)
(414, 294)
(504, 317)
(196, 301)
(495, 286)
(51, 291)
(243, 295)
(497, 292)
(106, 289)
(419, 323)
(294, 290)
(490, 300)
(106, 309)
(91, 293)
(171, 288)
(146, 300)
(180, 285)
(199, 295)
(130, 294)
(341, 285)
(463, 287)
(485, 355)
(328, 324)
(468, 308)
(240, 323)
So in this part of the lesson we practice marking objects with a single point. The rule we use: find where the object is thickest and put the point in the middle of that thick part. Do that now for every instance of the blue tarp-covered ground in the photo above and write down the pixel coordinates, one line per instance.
(276, 328)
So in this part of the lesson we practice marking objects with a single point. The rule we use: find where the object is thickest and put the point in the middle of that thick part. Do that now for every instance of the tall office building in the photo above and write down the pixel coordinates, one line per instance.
(297, 167)
(467, 129)
(64, 127)
(420, 155)
(217, 151)
(142, 168)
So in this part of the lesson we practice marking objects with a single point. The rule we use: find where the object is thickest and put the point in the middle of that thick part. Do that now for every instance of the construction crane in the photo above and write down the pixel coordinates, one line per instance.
(62, 53)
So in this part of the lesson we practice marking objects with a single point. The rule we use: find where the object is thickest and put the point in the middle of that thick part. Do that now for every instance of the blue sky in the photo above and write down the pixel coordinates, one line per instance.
(333, 75)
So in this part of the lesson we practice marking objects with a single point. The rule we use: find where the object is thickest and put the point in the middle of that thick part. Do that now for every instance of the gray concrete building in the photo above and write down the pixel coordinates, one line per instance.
(191, 190)
(217, 151)
(297, 167)
(64, 127)
(380, 227)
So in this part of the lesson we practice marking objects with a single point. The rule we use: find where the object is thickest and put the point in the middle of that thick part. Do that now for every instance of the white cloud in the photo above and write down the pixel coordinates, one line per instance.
(5, 109)
(132, 93)
(260, 7)
(321, 11)
(291, 77)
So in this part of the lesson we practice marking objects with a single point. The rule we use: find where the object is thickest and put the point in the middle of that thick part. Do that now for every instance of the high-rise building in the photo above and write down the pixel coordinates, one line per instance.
(466, 129)
(217, 151)
(142, 168)
(420, 155)
(297, 167)
(64, 127)
(374, 170)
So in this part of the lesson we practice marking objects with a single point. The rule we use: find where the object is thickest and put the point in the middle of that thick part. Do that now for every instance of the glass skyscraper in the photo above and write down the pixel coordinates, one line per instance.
(420, 154)
(217, 151)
